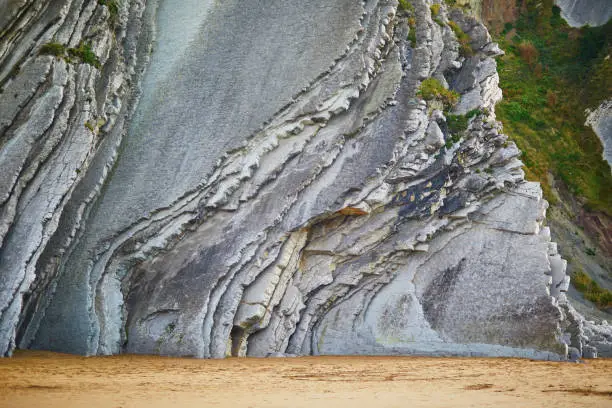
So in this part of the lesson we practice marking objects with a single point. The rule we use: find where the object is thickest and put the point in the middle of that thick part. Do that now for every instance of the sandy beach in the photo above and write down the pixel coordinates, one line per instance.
(41, 379)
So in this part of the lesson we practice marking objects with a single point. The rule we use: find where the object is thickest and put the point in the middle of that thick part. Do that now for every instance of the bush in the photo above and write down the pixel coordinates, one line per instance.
(465, 48)
(405, 5)
(85, 54)
(435, 10)
(53, 48)
(432, 89)
(459, 123)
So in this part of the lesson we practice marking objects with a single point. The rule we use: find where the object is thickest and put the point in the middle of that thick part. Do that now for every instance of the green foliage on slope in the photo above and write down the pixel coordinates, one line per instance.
(550, 74)
(591, 290)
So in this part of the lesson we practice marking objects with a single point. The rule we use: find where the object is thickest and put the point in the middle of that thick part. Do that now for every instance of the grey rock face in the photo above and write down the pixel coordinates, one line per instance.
(591, 339)
(578, 13)
(273, 186)
(601, 121)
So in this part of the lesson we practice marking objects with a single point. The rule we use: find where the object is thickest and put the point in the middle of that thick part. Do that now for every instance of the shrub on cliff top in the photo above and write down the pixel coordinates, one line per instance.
(432, 89)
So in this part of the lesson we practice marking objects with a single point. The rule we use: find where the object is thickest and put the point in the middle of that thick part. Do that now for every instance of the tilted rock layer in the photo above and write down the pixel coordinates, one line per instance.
(262, 178)
(578, 13)
(600, 119)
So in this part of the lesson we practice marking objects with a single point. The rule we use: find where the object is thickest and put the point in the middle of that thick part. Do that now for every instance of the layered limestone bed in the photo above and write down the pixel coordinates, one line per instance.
(579, 13)
(264, 178)
(600, 120)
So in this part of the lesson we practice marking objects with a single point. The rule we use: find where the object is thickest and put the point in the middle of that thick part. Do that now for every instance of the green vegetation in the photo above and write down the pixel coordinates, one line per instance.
(435, 10)
(85, 54)
(112, 5)
(412, 31)
(431, 89)
(405, 5)
(591, 290)
(459, 123)
(53, 48)
(90, 126)
(454, 138)
(465, 48)
(550, 74)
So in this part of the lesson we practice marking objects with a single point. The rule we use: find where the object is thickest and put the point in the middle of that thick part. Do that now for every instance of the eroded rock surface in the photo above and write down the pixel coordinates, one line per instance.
(600, 120)
(263, 178)
(579, 13)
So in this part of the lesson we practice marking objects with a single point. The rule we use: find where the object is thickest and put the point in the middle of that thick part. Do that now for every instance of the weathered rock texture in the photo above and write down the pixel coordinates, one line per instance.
(578, 13)
(600, 120)
(271, 184)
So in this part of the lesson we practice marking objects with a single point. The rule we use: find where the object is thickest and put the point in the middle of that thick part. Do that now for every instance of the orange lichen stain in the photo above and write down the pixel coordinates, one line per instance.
(352, 211)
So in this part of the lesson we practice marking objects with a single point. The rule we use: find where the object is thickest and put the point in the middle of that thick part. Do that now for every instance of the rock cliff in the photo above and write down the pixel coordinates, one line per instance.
(585, 12)
(259, 178)
(601, 121)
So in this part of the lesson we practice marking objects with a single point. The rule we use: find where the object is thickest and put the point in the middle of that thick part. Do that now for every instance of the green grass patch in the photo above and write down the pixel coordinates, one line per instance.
(90, 126)
(412, 31)
(459, 123)
(53, 48)
(405, 5)
(113, 8)
(432, 89)
(435, 10)
(82, 53)
(550, 74)
(591, 290)
(465, 48)
(85, 54)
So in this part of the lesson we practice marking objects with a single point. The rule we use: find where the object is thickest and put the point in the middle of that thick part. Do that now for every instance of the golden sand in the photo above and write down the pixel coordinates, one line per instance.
(41, 379)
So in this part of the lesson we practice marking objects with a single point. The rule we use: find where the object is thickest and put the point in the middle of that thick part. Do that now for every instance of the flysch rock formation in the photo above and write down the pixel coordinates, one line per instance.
(600, 119)
(579, 13)
(263, 178)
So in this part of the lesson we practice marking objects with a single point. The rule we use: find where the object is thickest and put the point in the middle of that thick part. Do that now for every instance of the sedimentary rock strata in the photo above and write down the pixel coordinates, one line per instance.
(265, 178)
(585, 12)
(600, 119)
